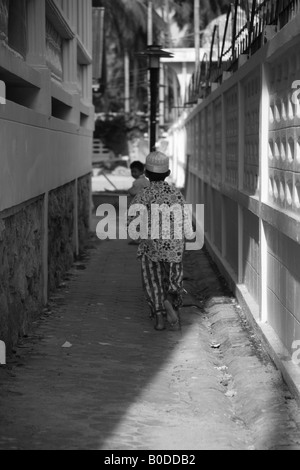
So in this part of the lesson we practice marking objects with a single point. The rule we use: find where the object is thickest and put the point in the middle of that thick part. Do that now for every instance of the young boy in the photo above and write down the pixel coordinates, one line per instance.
(161, 255)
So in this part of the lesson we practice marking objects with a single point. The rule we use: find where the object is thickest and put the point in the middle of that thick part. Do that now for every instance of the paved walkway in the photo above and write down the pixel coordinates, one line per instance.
(94, 374)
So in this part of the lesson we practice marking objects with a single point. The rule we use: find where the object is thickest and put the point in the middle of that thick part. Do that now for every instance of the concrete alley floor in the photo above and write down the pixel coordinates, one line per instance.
(95, 375)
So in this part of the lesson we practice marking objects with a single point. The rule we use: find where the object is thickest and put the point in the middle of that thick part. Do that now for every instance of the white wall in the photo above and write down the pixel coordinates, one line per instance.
(38, 154)
(46, 125)
(244, 142)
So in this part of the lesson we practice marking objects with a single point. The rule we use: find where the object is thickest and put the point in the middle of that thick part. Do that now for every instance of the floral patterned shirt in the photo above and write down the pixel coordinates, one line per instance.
(165, 237)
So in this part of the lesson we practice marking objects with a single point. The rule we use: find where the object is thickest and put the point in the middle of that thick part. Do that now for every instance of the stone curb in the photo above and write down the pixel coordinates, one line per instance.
(275, 348)
(253, 382)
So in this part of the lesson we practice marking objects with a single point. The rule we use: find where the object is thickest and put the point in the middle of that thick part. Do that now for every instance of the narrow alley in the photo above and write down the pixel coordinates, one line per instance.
(87, 89)
(94, 374)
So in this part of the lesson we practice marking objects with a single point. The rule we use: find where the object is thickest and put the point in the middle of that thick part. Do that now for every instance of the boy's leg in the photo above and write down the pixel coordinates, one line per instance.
(153, 286)
(173, 286)
(173, 283)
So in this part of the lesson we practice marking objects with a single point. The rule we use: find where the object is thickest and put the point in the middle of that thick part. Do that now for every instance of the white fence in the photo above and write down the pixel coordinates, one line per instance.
(243, 148)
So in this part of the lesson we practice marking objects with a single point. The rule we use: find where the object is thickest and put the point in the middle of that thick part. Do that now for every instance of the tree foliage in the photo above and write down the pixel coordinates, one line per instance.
(209, 9)
(126, 28)
(127, 19)
(112, 131)
(126, 24)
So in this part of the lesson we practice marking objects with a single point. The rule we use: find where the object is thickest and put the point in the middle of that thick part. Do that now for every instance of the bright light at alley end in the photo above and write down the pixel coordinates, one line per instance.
(154, 53)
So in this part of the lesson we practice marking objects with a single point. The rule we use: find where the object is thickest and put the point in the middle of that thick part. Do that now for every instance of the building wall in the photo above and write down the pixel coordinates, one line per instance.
(243, 147)
(61, 243)
(21, 276)
(46, 134)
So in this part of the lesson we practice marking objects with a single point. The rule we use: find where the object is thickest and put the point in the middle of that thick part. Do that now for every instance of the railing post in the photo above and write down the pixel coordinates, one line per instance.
(234, 17)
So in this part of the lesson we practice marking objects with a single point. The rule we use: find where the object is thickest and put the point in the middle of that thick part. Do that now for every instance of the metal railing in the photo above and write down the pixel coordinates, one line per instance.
(243, 35)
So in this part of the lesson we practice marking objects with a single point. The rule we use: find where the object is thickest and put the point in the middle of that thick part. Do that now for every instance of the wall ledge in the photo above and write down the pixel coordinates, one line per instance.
(276, 350)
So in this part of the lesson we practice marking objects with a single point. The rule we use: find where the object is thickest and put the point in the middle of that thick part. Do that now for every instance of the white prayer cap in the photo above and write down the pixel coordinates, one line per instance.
(157, 162)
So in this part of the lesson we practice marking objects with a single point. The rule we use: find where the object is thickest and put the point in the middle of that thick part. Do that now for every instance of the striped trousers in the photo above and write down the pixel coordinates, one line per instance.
(162, 281)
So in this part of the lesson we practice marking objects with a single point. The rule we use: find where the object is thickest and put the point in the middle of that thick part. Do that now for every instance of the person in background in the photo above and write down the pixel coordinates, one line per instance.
(140, 181)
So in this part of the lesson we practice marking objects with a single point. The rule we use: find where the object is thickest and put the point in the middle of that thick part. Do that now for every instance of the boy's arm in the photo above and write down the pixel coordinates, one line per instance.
(133, 191)
(137, 200)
